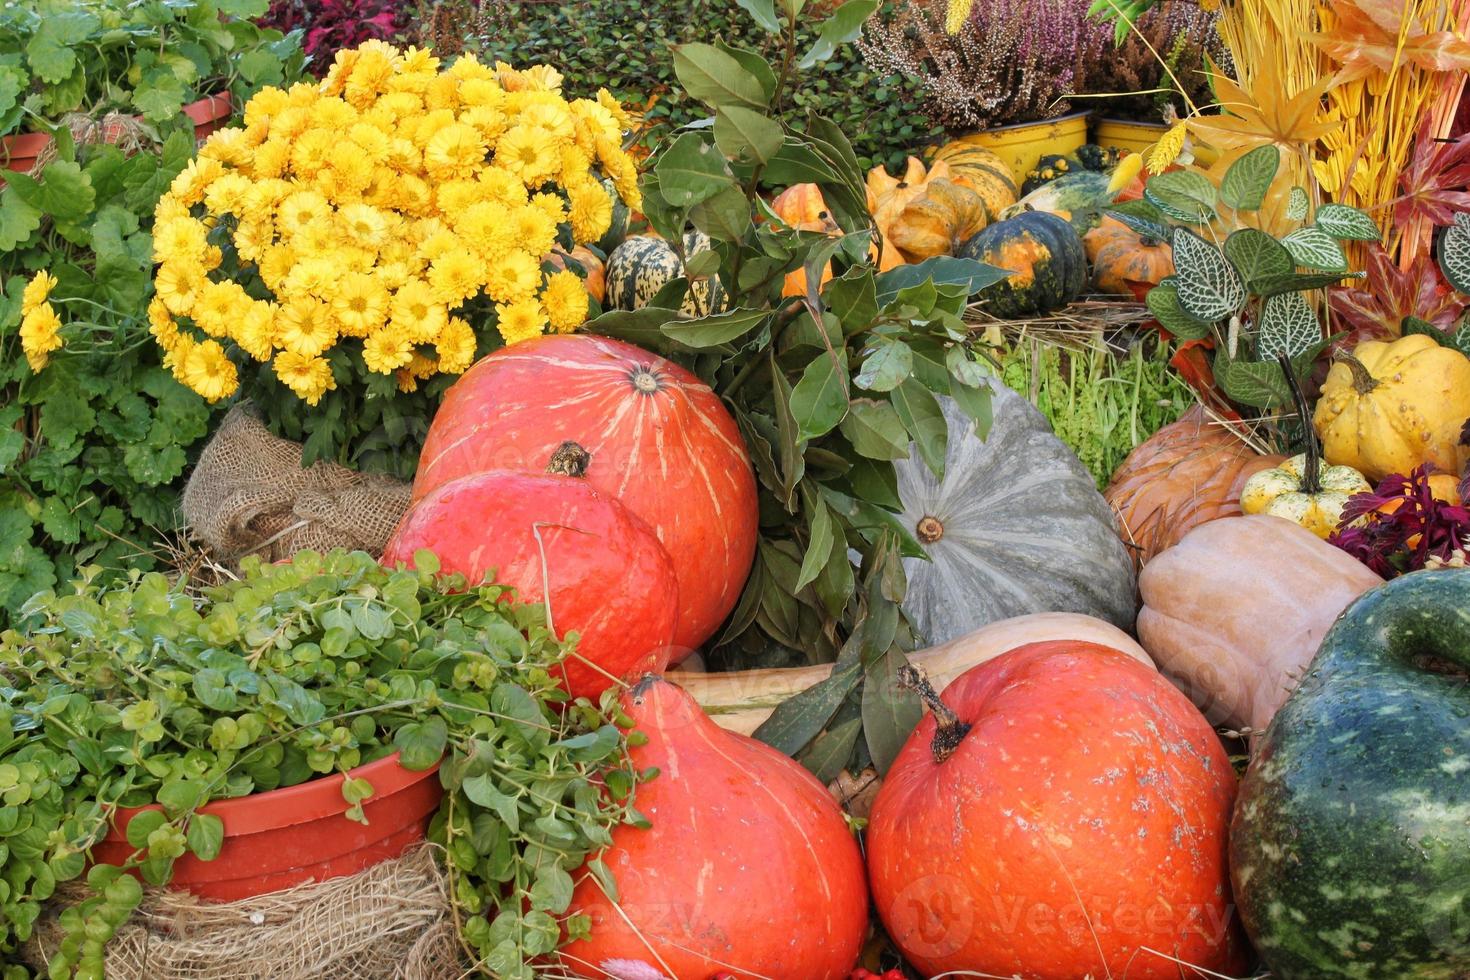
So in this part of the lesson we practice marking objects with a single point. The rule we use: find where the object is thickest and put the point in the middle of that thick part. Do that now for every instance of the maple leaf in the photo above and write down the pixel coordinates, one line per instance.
(1265, 115)
(1370, 36)
(1435, 181)
(1378, 312)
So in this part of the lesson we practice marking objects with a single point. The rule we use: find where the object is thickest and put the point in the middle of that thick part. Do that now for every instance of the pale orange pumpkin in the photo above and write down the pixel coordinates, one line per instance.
(888, 196)
(946, 215)
(803, 208)
(1119, 255)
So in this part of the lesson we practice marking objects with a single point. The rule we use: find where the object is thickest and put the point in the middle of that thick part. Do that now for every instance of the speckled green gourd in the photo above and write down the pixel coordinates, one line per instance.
(642, 265)
(1350, 845)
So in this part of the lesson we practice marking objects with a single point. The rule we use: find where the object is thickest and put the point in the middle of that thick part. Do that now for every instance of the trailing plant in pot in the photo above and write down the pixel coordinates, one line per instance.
(174, 697)
(828, 388)
(100, 57)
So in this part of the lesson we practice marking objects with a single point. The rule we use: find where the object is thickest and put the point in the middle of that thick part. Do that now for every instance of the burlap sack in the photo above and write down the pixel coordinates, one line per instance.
(250, 495)
(390, 922)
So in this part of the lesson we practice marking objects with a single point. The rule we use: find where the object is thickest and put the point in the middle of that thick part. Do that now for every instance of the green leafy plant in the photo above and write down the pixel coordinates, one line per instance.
(624, 45)
(146, 59)
(1249, 292)
(91, 447)
(153, 693)
(828, 388)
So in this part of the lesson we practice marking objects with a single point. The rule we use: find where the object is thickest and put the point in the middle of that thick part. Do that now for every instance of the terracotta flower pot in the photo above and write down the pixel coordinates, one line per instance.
(301, 833)
(20, 151)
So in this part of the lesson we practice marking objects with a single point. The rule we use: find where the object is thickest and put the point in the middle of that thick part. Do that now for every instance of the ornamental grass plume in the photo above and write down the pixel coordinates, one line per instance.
(381, 222)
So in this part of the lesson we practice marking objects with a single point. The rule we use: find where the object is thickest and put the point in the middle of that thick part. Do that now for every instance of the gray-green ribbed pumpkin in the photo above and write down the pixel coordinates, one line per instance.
(1046, 259)
(1016, 526)
(644, 264)
(1350, 847)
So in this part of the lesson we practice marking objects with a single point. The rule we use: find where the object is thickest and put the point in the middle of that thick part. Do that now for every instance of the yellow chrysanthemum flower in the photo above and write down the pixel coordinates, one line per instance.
(503, 186)
(305, 326)
(481, 92)
(565, 300)
(533, 229)
(419, 61)
(37, 291)
(300, 210)
(520, 321)
(529, 153)
(386, 350)
(415, 313)
(468, 66)
(456, 276)
(228, 194)
(265, 105)
(365, 225)
(40, 335)
(591, 210)
(209, 372)
(333, 114)
(218, 306)
(256, 330)
(178, 284)
(229, 146)
(191, 183)
(275, 264)
(442, 92)
(455, 346)
(490, 123)
(553, 207)
(615, 108)
(308, 377)
(360, 304)
(514, 277)
(179, 240)
(454, 151)
(370, 142)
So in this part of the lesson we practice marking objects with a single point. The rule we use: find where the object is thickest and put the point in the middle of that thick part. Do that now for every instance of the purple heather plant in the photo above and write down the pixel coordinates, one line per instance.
(1020, 60)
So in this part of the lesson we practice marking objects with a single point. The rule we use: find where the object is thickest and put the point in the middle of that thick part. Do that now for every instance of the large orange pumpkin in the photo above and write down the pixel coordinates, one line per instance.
(661, 442)
(559, 540)
(1067, 817)
(748, 869)
(1187, 473)
(889, 196)
(1119, 255)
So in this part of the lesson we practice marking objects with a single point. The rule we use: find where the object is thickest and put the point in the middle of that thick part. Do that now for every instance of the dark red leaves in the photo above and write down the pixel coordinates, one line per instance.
(1394, 538)
(1376, 312)
(1435, 181)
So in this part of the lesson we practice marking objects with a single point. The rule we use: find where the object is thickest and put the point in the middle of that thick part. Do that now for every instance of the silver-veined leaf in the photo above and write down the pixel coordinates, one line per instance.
(1256, 255)
(1348, 224)
(1288, 326)
(1209, 288)
(1316, 249)
(1183, 195)
(1245, 184)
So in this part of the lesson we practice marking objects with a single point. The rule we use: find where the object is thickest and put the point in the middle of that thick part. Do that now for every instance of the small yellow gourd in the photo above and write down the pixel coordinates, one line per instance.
(1302, 490)
(1391, 406)
(1285, 492)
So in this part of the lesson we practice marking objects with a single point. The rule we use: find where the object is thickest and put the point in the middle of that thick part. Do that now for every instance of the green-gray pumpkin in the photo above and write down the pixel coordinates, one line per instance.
(1350, 847)
(1015, 527)
(644, 264)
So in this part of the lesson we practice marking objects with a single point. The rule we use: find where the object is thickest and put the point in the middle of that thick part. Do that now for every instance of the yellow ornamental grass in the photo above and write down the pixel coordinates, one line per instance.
(387, 210)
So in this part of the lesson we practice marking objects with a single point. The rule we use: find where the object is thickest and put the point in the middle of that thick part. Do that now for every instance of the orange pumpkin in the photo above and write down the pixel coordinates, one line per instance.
(802, 207)
(983, 172)
(1118, 255)
(1016, 835)
(595, 272)
(1187, 473)
(888, 196)
(946, 215)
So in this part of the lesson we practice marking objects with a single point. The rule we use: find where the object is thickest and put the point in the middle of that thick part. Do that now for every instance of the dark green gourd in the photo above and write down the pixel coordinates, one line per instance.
(1350, 846)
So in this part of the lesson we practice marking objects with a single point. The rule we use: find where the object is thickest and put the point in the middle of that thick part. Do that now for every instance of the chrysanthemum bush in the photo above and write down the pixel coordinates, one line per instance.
(361, 241)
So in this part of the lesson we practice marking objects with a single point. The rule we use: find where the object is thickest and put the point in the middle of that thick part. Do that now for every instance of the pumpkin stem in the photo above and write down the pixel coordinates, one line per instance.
(929, 529)
(1312, 478)
(951, 730)
(1363, 380)
(569, 459)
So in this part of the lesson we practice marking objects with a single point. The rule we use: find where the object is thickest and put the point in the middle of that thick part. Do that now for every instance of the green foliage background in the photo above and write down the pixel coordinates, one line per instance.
(623, 45)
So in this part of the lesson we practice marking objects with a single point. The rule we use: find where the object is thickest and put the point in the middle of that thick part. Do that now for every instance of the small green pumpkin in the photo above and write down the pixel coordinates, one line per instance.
(1046, 260)
(1098, 158)
(1079, 197)
(644, 264)
(617, 231)
(1048, 169)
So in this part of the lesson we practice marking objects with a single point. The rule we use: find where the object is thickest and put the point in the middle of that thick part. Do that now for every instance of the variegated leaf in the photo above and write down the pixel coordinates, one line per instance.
(1163, 302)
(1297, 204)
(1316, 249)
(1257, 255)
(1454, 253)
(1209, 288)
(1245, 184)
(1259, 384)
(1347, 224)
(1288, 326)
(1183, 195)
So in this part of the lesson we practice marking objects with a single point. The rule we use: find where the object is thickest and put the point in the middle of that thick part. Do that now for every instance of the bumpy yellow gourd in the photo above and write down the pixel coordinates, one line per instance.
(1281, 492)
(1392, 406)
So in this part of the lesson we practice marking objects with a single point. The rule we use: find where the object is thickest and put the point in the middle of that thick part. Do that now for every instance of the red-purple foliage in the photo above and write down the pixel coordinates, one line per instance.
(331, 25)
(1394, 540)
(1377, 311)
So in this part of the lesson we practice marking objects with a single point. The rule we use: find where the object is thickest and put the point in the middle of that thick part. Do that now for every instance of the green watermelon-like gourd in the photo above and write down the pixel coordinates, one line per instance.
(1350, 845)
(1048, 169)
(1045, 257)
(617, 230)
(1079, 197)
(644, 264)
